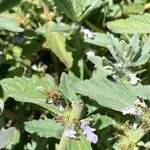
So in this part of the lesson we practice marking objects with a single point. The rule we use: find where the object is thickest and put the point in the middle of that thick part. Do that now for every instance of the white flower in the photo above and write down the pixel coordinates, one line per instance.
(132, 111)
(118, 65)
(90, 53)
(133, 79)
(1, 105)
(135, 126)
(88, 33)
(1, 54)
(61, 108)
(35, 67)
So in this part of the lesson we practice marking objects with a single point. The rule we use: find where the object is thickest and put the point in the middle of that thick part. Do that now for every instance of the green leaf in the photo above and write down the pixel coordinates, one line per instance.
(144, 54)
(117, 48)
(6, 137)
(100, 39)
(66, 87)
(7, 4)
(133, 24)
(44, 128)
(57, 43)
(60, 28)
(25, 90)
(114, 95)
(9, 24)
(77, 10)
(131, 137)
(80, 144)
(101, 121)
(133, 9)
(142, 91)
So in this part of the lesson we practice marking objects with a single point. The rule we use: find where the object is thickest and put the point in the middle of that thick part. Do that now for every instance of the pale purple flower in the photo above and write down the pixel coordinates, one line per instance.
(88, 33)
(88, 131)
(92, 137)
(132, 111)
(70, 132)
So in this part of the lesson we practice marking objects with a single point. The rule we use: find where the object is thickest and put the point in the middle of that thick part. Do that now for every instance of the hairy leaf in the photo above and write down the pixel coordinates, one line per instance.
(57, 43)
(25, 90)
(66, 87)
(9, 24)
(77, 10)
(101, 121)
(106, 93)
(133, 24)
(44, 128)
(144, 54)
(142, 91)
(99, 39)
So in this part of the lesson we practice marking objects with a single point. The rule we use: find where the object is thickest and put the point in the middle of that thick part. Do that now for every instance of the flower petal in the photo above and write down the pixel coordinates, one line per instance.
(88, 131)
(92, 137)
(131, 110)
(70, 133)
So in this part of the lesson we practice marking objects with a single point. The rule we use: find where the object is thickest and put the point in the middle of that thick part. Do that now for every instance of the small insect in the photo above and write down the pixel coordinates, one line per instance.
(53, 97)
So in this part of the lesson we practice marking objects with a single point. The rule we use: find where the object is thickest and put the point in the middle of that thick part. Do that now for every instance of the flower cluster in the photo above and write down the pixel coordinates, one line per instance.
(87, 131)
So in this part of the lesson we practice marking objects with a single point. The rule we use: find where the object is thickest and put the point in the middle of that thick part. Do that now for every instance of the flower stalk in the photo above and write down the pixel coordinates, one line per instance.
(77, 107)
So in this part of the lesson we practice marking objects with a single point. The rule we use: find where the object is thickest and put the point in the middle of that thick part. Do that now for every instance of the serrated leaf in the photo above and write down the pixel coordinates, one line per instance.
(9, 24)
(77, 10)
(44, 128)
(24, 90)
(80, 144)
(114, 95)
(6, 137)
(57, 43)
(66, 87)
(133, 24)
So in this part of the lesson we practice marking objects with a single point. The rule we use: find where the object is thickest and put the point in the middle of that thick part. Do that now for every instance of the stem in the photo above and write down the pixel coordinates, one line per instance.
(77, 107)
(93, 27)
(81, 67)
(45, 6)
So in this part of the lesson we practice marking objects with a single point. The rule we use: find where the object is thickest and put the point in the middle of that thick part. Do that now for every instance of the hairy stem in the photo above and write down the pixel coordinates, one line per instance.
(77, 107)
